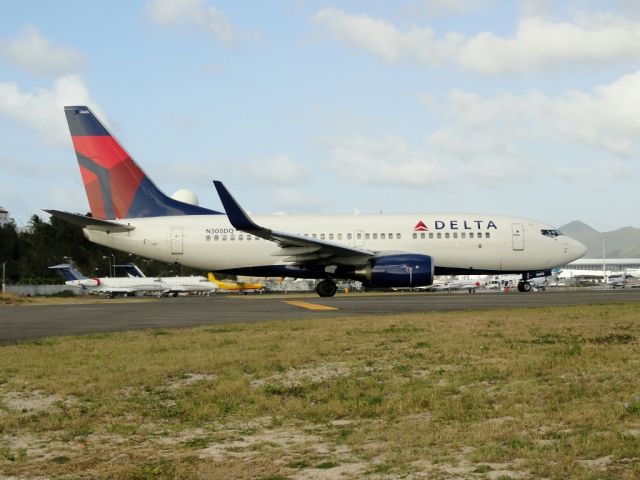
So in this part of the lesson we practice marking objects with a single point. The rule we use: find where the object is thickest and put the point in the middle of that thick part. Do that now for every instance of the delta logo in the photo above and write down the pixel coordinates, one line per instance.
(420, 227)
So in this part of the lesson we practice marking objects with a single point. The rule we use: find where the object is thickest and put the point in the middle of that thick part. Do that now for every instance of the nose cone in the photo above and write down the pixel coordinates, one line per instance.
(576, 249)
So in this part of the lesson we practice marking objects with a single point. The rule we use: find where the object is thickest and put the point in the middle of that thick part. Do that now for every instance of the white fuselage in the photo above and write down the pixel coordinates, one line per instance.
(469, 242)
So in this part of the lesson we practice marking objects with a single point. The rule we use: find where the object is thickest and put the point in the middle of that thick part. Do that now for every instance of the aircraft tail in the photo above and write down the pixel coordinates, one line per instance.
(68, 272)
(212, 278)
(132, 270)
(116, 186)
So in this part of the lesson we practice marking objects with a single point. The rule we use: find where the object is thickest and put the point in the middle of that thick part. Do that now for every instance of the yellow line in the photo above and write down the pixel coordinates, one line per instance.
(309, 306)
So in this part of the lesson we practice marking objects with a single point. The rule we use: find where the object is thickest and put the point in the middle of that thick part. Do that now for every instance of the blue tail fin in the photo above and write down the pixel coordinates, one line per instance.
(132, 270)
(68, 272)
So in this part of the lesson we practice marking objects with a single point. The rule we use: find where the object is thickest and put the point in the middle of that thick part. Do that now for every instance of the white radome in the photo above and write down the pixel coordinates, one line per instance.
(186, 196)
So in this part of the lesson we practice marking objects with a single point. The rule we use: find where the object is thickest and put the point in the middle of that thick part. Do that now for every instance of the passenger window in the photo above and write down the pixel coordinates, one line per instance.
(415, 235)
(431, 235)
(240, 237)
(313, 235)
(447, 235)
(463, 235)
(349, 236)
(439, 235)
(367, 236)
(322, 236)
(391, 236)
(224, 238)
(339, 236)
(382, 236)
(232, 237)
(208, 238)
(455, 234)
(358, 236)
(479, 234)
(248, 237)
(487, 235)
(422, 235)
(398, 236)
(470, 234)
(375, 236)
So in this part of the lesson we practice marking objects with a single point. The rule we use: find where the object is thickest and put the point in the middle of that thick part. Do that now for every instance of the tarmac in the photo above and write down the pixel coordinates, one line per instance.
(18, 323)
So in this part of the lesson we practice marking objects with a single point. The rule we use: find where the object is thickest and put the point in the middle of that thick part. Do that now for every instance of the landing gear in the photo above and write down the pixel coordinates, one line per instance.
(524, 286)
(326, 288)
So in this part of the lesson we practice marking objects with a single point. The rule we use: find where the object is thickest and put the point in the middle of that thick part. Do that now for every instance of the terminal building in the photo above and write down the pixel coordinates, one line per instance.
(600, 264)
(4, 217)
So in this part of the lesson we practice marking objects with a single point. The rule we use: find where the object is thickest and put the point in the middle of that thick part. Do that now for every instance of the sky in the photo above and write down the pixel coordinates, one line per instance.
(528, 108)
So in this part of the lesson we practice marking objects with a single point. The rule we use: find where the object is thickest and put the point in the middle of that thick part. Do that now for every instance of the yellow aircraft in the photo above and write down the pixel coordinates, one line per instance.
(241, 287)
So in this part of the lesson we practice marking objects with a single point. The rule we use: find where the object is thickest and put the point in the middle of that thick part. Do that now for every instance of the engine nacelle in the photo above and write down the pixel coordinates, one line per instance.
(89, 282)
(401, 270)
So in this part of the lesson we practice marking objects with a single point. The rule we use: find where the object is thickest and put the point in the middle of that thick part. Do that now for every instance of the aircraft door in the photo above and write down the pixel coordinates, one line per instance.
(358, 238)
(176, 241)
(517, 236)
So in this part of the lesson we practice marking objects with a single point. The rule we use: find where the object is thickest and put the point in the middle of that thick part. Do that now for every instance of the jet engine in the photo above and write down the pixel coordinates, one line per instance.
(89, 282)
(401, 270)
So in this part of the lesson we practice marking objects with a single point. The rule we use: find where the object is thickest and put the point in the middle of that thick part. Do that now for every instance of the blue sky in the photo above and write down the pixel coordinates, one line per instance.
(525, 108)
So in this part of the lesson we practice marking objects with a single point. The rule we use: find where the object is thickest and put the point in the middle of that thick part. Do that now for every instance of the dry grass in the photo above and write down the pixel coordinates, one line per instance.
(526, 393)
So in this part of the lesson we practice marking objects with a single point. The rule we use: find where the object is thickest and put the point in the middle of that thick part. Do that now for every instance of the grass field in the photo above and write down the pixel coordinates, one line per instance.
(524, 393)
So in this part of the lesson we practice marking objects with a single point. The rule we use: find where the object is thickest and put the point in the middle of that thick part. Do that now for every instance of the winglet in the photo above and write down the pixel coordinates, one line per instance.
(237, 216)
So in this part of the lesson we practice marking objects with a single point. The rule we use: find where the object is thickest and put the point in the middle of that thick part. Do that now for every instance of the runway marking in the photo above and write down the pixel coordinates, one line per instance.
(309, 306)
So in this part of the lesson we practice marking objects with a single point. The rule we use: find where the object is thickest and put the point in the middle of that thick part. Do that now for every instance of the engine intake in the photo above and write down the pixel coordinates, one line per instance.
(402, 270)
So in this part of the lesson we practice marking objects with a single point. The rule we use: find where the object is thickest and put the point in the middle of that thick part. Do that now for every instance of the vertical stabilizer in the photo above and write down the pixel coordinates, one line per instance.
(116, 186)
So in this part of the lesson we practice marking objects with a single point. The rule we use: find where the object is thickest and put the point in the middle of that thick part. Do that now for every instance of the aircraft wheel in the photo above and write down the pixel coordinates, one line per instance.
(524, 287)
(326, 288)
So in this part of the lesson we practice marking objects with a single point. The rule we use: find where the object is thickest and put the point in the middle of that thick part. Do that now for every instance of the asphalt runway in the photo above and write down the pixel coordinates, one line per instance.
(36, 321)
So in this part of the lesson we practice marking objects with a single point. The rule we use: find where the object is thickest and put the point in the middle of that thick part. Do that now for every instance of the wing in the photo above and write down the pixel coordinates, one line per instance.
(90, 222)
(295, 248)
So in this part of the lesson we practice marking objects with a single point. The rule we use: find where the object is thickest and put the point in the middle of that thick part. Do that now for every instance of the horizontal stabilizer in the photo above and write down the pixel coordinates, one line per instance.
(90, 222)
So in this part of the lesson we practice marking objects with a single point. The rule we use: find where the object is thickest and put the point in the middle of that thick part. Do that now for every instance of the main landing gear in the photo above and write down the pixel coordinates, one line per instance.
(326, 288)
(524, 286)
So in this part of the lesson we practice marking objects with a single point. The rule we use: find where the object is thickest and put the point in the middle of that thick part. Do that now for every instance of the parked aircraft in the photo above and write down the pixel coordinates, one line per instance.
(243, 287)
(176, 285)
(109, 286)
(131, 214)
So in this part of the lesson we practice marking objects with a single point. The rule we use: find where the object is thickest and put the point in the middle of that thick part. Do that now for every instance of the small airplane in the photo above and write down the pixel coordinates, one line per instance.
(173, 286)
(130, 213)
(629, 278)
(109, 286)
(239, 286)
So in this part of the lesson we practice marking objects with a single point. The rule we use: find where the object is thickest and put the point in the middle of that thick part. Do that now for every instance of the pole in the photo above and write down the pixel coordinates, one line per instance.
(3, 272)
(604, 264)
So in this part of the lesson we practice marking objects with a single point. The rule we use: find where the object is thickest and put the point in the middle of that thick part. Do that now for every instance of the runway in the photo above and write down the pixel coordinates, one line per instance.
(30, 322)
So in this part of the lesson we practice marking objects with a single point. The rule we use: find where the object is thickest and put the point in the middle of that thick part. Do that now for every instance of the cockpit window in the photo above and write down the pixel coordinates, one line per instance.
(551, 233)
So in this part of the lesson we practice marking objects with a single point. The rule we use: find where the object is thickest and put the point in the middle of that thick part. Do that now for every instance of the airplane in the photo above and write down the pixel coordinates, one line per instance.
(175, 285)
(130, 213)
(110, 286)
(243, 287)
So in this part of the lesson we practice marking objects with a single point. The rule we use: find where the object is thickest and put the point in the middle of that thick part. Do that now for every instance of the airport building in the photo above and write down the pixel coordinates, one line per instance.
(600, 264)
(4, 217)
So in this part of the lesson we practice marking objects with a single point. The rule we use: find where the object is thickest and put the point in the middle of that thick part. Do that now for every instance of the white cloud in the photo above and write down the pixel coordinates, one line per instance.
(277, 169)
(536, 44)
(32, 51)
(42, 109)
(293, 199)
(166, 13)
(605, 118)
(385, 40)
(384, 161)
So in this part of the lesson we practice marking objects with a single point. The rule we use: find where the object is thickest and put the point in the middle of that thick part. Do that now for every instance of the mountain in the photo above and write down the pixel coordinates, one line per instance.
(620, 243)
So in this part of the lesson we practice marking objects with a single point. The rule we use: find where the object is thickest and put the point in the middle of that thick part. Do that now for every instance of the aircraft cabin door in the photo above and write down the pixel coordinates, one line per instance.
(358, 238)
(517, 235)
(176, 241)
